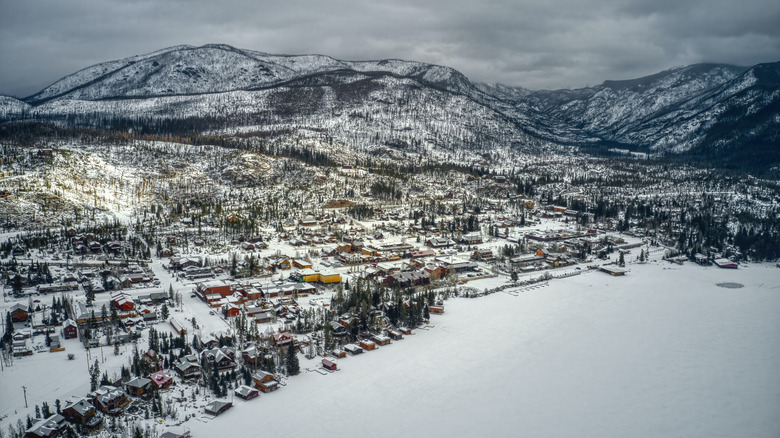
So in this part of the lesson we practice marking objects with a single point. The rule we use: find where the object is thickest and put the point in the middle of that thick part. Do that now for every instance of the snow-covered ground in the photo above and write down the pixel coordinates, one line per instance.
(51, 376)
(662, 351)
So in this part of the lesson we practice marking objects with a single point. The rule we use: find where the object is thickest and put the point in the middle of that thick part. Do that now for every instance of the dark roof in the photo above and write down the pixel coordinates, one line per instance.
(48, 427)
(138, 382)
(82, 407)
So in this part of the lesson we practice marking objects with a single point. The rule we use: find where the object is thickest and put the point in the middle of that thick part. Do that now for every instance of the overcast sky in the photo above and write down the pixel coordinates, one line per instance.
(529, 43)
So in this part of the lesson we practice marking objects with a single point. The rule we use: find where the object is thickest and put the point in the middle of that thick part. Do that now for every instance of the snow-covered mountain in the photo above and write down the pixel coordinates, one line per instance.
(220, 68)
(679, 110)
(374, 106)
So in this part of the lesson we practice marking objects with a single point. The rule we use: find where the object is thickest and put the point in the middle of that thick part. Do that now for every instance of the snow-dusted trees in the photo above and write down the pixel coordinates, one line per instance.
(291, 360)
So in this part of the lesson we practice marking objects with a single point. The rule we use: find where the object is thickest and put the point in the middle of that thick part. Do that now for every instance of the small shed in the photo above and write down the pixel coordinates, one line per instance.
(353, 349)
(178, 327)
(725, 263)
(217, 407)
(329, 365)
(395, 335)
(246, 392)
(612, 270)
(54, 343)
(367, 344)
(436, 310)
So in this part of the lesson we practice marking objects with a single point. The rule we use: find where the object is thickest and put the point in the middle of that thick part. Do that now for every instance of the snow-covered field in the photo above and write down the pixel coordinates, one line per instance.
(47, 377)
(662, 351)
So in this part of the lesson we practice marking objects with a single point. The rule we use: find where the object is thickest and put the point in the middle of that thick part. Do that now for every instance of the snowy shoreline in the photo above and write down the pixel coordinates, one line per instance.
(642, 355)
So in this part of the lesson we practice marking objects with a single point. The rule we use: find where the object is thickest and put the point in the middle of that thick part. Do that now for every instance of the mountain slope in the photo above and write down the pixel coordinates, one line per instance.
(11, 107)
(218, 68)
(397, 107)
(705, 109)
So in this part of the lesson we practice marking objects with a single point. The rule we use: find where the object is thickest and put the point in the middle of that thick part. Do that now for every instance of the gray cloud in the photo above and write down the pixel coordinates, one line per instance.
(534, 44)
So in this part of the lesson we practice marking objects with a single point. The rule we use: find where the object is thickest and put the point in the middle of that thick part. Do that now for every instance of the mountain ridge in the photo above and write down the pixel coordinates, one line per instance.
(362, 103)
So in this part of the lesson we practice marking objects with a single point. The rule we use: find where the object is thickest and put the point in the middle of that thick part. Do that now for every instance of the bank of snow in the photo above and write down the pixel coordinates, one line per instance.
(660, 352)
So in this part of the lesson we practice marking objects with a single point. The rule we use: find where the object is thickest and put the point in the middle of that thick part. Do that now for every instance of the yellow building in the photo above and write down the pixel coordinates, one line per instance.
(330, 277)
(310, 276)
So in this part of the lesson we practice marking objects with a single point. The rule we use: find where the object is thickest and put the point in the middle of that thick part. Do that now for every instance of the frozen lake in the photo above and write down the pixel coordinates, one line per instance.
(662, 351)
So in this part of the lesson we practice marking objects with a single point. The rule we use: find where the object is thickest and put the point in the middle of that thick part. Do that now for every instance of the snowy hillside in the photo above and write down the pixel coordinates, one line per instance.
(12, 107)
(675, 111)
(705, 109)
(213, 69)
(90, 74)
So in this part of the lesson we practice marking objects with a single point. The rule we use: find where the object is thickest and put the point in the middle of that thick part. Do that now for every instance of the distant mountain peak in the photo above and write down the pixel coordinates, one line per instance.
(215, 68)
(395, 107)
(676, 75)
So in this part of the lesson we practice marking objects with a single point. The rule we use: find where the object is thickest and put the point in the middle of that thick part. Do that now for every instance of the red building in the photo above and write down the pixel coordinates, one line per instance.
(70, 329)
(122, 301)
(161, 379)
(282, 338)
(19, 313)
(231, 310)
(247, 392)
(214, 287)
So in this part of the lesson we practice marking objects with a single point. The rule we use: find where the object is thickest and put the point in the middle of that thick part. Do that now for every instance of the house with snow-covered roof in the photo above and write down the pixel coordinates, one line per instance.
(246, 392)
(19, 313)
(50, 427)
(188, 366)
(283, 338)
(264, 381)
(217, 407)
(122, 301)
(82, 412)
(110, 400)
(220, 358)
(139, 387)
(161, 379)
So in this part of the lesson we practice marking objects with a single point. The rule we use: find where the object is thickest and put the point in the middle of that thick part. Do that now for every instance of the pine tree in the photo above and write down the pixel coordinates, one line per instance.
(293, 366)
(45, 410)
(94, 376)
(9, 328)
